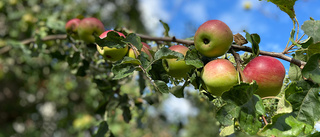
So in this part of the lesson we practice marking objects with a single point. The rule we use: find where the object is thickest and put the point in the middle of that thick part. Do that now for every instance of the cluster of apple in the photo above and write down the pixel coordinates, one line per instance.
(212, 39)
(84, 29)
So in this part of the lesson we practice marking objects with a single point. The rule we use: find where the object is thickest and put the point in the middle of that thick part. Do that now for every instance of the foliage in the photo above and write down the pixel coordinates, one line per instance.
(63, 87)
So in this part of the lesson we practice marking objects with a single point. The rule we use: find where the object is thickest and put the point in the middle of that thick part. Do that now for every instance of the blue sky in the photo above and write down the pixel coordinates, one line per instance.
(263, 18)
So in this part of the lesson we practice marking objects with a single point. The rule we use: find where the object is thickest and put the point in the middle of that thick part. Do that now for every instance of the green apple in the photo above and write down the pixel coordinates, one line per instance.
(112, 54)
(88, 27)
(213, 38)
(268, 72)
(219, 75)
(72, 26)
(177, 69)
(145, 48)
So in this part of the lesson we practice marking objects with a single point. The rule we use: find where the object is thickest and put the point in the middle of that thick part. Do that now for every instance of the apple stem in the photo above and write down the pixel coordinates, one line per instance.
(264, 120)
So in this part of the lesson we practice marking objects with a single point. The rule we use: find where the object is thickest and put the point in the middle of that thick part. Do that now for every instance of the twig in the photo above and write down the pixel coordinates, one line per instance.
(264, 120)
(238, 61)
(187, 42)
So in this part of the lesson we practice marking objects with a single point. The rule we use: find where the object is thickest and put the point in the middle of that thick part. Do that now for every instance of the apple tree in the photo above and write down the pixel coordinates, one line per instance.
(66, 72)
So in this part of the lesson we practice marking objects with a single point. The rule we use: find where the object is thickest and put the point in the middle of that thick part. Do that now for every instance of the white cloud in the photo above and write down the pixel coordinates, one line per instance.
(153, 11)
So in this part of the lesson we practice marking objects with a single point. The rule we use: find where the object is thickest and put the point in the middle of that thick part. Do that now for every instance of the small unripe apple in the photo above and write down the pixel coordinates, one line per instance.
(88, 27)
(145, 48)
(219, 75)
(72, 26)
(112, 54)
(213, 38)
(268, 72)
(177, 69)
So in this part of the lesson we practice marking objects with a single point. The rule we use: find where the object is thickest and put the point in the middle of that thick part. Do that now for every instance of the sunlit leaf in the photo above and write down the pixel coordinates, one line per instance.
(192, 58)
(166, 53)
(161, 86)
(312, 29)
(286, 6)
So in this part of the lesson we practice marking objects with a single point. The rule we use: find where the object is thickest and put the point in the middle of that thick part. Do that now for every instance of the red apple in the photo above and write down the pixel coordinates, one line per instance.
(268, 72)
(213, 38)
(177, 69)
(112, 54)
(88, 27)
(219, 75)
(145, 48)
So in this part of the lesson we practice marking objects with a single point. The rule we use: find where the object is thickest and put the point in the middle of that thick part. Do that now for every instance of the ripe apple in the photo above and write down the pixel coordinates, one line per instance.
(213, 38)
(145, 48)
(112, 54)
(88, 27)
(268, 72)
(219, 75)
(72, 26)
(177, 69)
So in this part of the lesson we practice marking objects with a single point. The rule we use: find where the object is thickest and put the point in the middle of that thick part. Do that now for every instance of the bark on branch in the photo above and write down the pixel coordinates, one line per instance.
(182, 41)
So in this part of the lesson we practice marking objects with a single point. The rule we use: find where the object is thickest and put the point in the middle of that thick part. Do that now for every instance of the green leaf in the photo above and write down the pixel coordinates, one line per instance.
(126, 114)
(129, 60)
(113, 40)
(254, 39)
(240, 94)
(313, 49)
(134, 40)
(177, 91)
(311, 70)
(292, 33)
(305, 101)
(122, 70)
(307, 42)
(312, 29)
(294, 72)
(192, 58)
(166, 53)
(291, 127)
(103, 129)
(166, 28)
(157, 72)
(286, 6)
(227, 113)
(283, 106)
(226, 131)
(161, 86)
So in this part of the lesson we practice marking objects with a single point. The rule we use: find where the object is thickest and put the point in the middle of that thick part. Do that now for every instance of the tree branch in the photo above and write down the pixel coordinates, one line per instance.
(187, 42)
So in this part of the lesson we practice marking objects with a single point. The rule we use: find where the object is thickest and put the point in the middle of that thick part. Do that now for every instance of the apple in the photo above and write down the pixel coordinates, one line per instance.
(145, 48)
(219, 75)
(72, 26)
(213, 38)
(112, 54)
(268, 72)
(88, 27)
(177, 69)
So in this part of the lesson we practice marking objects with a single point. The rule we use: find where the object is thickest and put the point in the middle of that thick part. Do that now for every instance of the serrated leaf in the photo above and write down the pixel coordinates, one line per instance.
(226, 131)
(312, 29)
(240, 94)
(254, 39)
(311, 69)
(286, 5)
(161, 86)
(192, 58)
(227, 113)
(305, 101)
(166, 53)
(122, 70)
(134, 40)
(166, 28)
(292, 127)
(103, 129)
(113, 40)
(157, 72)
